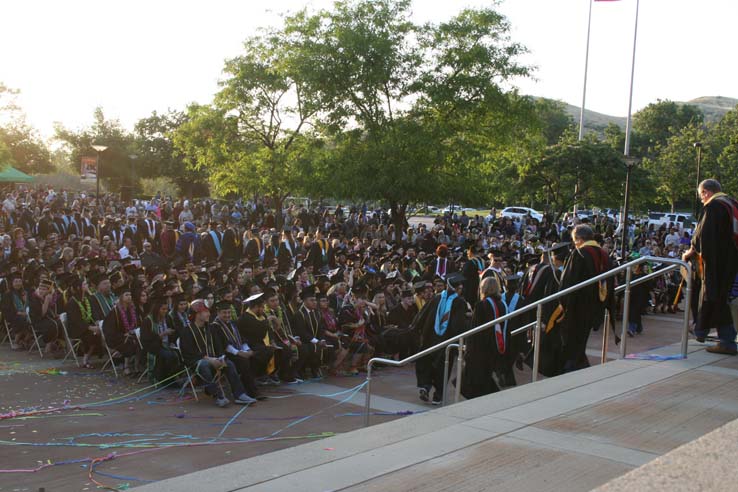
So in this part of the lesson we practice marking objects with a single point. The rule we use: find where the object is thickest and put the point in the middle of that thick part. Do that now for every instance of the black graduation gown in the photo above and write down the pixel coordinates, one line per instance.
(77, 327)
(115, 335)
(195, 344)
(150, 338)
(541, 282)
(482, 355)
(583, 309)
(253, 331)
(713, 239)
(429, 369)
(230, 245)
(471, 270)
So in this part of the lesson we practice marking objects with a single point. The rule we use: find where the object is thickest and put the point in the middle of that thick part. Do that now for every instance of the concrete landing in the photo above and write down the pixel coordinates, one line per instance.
(574, 432)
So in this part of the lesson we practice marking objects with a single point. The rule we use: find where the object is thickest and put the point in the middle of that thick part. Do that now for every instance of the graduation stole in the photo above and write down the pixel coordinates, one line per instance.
(216, 242)
(260, 247)
(106, 303)
(441, 272)
(288, 246)
(203, 337)
(271, 365)
(309, 319)
(479, 264)
(537, 274)
(231, 333)
(443, 312)
(324, 249)
(500, 331)
(151, 226)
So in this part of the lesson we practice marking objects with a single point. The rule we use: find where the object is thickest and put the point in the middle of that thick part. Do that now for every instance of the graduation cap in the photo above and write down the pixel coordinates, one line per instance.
(122, 290)
(96, 278)
(455, 279)
(511, 282)
(255, 300)
(406, 293)
(420, 286)
(559, 250)
(307, 293)
(223, 305)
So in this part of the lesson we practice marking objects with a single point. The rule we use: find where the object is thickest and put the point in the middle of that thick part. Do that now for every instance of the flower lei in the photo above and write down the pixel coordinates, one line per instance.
(86, 310)
(129, 319)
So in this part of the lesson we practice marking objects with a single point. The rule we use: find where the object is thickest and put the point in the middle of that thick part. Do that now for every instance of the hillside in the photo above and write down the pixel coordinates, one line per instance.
(713, 107)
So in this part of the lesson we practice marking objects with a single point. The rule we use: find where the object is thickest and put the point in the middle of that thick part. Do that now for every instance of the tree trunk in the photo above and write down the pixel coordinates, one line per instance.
(398, 217)
(278, 212)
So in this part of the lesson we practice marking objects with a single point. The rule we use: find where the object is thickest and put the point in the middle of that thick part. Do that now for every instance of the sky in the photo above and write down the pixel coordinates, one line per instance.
(134, 57)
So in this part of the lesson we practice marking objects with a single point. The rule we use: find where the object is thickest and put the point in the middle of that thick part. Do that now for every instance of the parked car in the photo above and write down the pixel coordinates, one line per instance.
(680, 220)
(521, 212)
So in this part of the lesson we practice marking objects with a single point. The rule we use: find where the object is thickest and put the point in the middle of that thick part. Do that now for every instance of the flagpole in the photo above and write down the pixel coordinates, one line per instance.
(629, 163)
(586, 65)
(626, 151)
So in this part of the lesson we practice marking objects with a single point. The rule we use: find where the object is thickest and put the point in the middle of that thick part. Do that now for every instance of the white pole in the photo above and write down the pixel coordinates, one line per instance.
(626, 151)
(586, 65)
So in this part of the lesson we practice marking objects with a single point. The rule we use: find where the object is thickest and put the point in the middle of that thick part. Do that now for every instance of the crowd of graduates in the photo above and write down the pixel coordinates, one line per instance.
(215, 288)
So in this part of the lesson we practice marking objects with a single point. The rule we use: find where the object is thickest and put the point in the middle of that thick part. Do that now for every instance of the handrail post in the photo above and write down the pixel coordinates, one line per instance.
(459, 369)
(605, 336)
(537, 342)
(367, 404)
(626, 308)
(687, 308)
(446, 375)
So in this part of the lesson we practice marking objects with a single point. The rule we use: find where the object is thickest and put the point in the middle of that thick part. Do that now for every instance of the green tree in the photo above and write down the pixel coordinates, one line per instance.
(594, 165)
(115, 163)
(723, 143)
(158, 158)
(22, 147)
(654, 124)
(422, 103)
(674, 170)
(253, 139)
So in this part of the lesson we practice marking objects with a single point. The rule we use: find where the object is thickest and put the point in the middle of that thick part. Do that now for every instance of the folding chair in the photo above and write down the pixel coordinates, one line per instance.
(72, 343)
(145, 372)
(188, 374)
(36, 343)
(7, 333)
(110, 360)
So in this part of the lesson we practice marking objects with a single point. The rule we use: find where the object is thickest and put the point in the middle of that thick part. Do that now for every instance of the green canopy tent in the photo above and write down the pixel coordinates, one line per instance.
(9, 174)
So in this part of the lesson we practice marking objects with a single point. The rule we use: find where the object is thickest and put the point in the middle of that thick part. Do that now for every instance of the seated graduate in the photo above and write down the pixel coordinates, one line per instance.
(103, 299)
(354, 320)
(45, 319)
(178, 313)
(15, 313)
(199, 354)
(80, 323)
(158, 337)
(227, 341)
(287, 356)
(119, 329)
(309, 324)
(254, 329)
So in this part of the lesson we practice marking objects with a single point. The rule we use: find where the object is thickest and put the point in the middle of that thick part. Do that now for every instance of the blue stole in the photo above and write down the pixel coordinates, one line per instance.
(443, 313)
(216, 241)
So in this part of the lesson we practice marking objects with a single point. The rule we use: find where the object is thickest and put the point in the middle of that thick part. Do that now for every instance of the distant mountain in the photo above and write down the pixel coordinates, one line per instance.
(713, 107)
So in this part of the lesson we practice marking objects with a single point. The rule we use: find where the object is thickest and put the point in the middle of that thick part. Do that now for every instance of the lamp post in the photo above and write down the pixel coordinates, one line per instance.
(99, 149)
(629, 163)
(698, 146)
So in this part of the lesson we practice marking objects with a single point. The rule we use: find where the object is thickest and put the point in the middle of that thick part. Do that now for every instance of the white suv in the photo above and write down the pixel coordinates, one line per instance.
(681, 221)
(521, 213)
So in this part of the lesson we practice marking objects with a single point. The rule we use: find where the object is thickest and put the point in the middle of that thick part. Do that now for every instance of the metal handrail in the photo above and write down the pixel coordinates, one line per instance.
(538, 305)
(525, 328)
